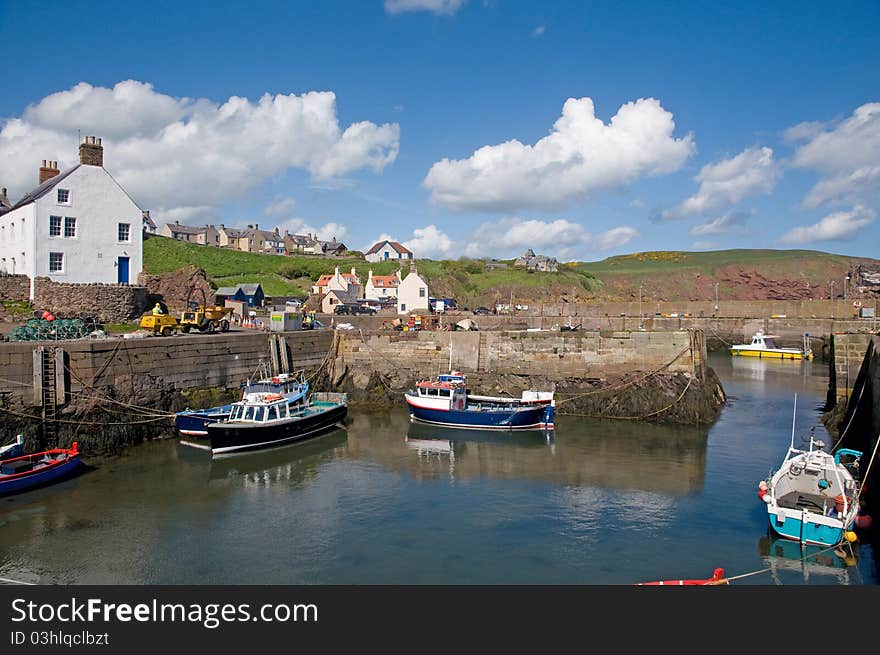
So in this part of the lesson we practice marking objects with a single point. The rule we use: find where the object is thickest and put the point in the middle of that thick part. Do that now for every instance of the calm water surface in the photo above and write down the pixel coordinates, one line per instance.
(387, 502)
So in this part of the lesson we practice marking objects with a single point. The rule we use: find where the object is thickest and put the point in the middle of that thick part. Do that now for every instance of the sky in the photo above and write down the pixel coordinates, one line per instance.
(465, 128)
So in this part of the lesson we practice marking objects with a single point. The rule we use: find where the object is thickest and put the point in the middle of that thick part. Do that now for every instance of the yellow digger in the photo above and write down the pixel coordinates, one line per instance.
(204, 317)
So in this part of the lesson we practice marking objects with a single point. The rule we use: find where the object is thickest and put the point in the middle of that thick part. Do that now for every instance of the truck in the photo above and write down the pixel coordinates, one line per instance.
(204, 317)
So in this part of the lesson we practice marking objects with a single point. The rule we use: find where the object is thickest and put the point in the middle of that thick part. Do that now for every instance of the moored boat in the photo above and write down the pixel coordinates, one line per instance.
(194, 422)
(446, 400)
(267, 420)
(14, 449)
(27, 472)
(813, 496)
(764, 346)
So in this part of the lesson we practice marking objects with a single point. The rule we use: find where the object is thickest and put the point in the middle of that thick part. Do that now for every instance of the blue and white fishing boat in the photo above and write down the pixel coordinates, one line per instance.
(813, 496)
(446, 400)
(14, 449)
(194, 422)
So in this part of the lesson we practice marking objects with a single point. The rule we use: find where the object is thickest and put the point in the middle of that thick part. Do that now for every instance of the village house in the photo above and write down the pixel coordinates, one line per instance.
(310, 244)
(337, 288)
(250, 293)
(412, 293)
(379, 287)
(252, 239)
(532, 262)
(76, 226)
(149, 223)
(206, 235)
(388, 250)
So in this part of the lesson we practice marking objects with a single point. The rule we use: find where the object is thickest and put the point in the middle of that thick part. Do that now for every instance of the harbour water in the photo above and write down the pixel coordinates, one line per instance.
(389, 502)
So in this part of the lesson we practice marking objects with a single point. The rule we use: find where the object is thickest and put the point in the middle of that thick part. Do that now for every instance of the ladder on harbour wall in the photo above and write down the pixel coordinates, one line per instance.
(483, 354)
(51, 390)
(279, 354)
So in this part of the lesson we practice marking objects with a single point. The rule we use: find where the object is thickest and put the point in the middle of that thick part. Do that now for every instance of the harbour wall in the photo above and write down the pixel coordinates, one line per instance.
(720, 333)
(124, 390)
(658, 376)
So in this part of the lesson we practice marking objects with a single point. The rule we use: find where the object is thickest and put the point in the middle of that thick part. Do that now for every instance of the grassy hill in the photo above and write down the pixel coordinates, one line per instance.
(663, 275)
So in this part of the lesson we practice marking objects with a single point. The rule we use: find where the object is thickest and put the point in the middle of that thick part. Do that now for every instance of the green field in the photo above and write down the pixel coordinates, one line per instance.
(662, 274)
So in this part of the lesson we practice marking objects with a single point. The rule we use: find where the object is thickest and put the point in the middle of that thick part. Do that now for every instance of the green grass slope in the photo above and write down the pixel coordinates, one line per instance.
(663, 275)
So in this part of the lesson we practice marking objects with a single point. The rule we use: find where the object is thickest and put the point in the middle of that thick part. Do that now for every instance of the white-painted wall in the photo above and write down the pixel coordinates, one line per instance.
(99, 204)
(17, 241)
(412, 294)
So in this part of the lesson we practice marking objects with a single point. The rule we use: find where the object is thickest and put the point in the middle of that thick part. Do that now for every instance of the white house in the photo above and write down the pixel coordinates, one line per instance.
(77, 226)
(387, 251)
(345, 287)
(381, 286)
(412, 294)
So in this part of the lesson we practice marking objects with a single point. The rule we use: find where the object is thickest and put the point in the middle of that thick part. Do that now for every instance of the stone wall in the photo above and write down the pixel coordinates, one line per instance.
(15, 287)
(561, 354)
(176, 287)
(111, 303)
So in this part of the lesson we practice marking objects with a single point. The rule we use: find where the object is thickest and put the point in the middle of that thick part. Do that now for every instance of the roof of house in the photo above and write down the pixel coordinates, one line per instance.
(324, 279)
(394, 244)
(149, 222)
(233, 232)
(184, 229)
(227, 291)
(250, 288)
(385, 281)
(43, 189)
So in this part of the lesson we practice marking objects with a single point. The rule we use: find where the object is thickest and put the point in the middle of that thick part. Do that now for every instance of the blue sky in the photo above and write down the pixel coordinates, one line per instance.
(465, 127)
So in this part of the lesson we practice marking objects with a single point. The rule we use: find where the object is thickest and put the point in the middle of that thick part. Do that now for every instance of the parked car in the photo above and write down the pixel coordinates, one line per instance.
(482, 310)
(353, 309)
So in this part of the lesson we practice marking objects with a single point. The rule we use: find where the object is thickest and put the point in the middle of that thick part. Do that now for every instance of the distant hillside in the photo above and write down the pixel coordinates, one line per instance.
(740, 274)
(663, 275)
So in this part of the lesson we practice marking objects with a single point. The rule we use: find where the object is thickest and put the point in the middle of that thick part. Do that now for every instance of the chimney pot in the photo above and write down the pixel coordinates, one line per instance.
(91, 152)
(48, 170)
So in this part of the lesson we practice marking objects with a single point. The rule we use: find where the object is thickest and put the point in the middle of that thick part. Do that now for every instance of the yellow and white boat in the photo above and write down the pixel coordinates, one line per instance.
(763, 346)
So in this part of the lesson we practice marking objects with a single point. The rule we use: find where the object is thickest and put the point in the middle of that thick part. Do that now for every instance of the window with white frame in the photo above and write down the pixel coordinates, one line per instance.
(69, 227)
(124, 232)
(56, 262)
(421, 292)
(54, 226)
(63, 196)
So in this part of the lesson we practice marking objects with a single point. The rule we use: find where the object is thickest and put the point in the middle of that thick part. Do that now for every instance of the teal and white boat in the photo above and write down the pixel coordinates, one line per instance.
(813, 496)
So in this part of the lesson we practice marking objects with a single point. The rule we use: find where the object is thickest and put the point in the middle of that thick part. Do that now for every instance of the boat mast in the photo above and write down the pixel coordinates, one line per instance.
(450, 352)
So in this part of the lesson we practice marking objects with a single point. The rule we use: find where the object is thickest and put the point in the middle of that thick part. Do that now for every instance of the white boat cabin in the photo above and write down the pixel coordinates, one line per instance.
(264, 408)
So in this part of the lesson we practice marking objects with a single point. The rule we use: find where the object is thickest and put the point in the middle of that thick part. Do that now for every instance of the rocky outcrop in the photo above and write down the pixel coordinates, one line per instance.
(176, 287)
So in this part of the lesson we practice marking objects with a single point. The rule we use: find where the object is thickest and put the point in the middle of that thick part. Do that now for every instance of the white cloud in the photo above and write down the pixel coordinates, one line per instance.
(729, 222)
(430, 243)
(539, 31)
(433, 6)
(729, 181)
(172, 153)
(839, 226)
(580, 156)
(805, 130)
(847, 155)
(614, 238)
(280, 207)
(560, 238)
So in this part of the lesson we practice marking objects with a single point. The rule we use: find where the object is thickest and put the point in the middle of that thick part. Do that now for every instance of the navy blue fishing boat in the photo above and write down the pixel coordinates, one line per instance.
(26, 472)
(194, 422)
(446, 400)
(266, 420)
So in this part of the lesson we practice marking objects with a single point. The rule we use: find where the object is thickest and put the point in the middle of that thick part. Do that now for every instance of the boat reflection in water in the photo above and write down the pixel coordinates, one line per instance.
(577, 454)
(790, 563)
(295, 462)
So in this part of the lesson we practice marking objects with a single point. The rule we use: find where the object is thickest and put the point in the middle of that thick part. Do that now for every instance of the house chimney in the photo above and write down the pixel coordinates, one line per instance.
(334, 239)
(91, 152)
(48, 170)
(352, 272)
(222, 226)
(3, 197)
(146, 213)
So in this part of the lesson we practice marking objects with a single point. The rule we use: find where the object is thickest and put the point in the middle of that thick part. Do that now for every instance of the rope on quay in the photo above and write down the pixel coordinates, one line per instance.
(636, 418)
(629, 383)
(61, 420)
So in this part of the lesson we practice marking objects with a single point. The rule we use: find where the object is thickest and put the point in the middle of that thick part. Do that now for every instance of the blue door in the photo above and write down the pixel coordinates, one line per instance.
(122, 268)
